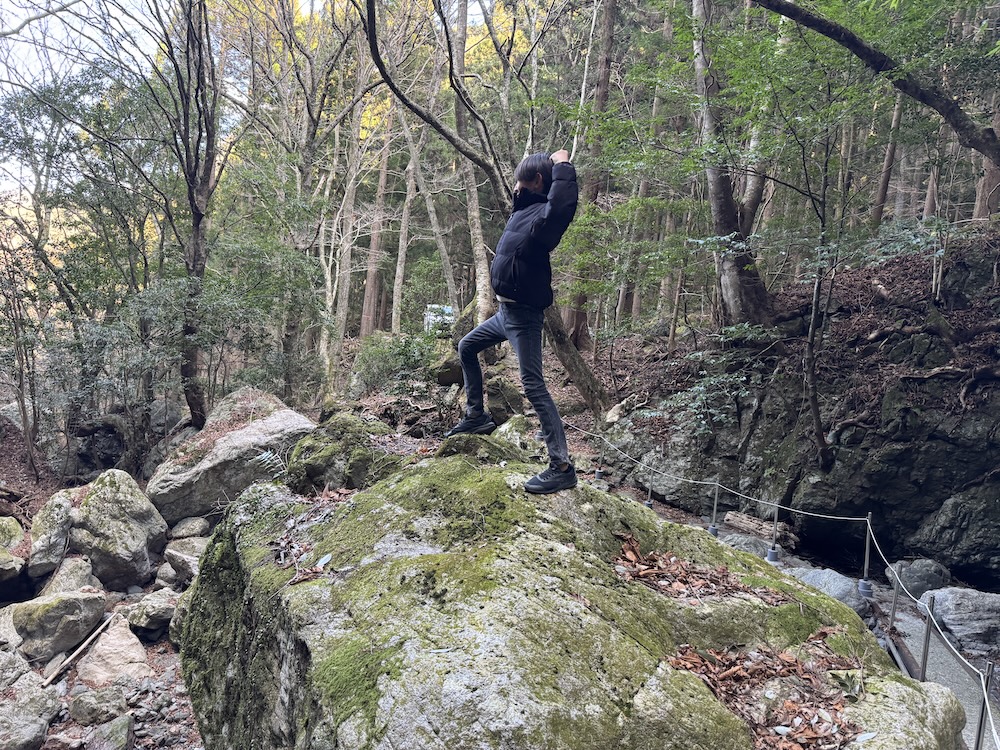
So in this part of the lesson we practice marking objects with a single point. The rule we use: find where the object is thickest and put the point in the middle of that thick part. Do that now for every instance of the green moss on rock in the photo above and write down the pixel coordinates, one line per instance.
(457, 611)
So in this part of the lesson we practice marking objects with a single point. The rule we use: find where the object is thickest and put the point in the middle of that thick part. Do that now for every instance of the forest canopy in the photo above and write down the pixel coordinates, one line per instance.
(205, 194)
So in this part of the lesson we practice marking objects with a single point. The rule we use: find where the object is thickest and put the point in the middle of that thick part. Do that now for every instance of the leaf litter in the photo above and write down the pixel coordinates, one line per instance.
(789, 699)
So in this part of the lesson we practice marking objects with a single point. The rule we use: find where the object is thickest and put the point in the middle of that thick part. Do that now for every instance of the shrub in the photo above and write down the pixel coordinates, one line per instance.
(388, 363)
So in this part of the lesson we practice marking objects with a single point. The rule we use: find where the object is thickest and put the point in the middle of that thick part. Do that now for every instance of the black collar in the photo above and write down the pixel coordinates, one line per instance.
(525, 198)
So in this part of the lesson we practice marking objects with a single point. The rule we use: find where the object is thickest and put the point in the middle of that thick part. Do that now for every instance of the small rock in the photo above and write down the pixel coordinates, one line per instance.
(184, 554)
(154, 611)
(10, 566)
(98, 706)
(54, 664)
(118, 734)
(193, 526)
(166, 577)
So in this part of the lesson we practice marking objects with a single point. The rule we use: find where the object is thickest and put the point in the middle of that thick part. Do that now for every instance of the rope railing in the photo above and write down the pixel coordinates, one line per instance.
(984, 679)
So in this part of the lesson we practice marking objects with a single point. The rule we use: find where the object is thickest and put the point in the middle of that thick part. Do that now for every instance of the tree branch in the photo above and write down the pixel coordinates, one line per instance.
(970, 134)
(500, 189)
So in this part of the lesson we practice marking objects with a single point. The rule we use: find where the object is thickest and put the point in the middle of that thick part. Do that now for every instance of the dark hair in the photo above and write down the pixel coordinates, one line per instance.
(535, 164)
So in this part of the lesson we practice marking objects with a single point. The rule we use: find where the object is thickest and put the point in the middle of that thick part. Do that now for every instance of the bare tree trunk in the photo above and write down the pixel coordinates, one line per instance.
(988, 187)
(404, 243)
(485, 306)
(887, 164)
(346, 236)
(416, 149)
(590, 388)
(369, 306)
(743, 296)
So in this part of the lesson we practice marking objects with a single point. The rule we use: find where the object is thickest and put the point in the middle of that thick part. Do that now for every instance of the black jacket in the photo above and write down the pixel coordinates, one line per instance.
(521, 269)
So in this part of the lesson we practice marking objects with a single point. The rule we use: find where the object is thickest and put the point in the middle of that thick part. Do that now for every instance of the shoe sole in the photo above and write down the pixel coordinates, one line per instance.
(486, 429)
(546, 490)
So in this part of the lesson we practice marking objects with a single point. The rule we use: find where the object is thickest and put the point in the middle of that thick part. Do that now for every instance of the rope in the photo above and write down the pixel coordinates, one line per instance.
(705, 483)
(871, 532)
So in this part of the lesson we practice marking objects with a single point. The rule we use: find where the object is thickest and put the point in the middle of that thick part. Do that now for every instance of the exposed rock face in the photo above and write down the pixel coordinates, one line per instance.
(57, 622)
(923, 471)
(119, 530)
(444, 608)
(212, 467)
(972, 617)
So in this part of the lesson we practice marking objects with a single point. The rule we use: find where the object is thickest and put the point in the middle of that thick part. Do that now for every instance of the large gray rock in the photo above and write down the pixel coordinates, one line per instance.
(972, 617)
(834, 584)
(73, 574)
(117, 652)
(451, 609)
(919, 576)
(215, 465)
(58, 622)
(50, 534)
(119, 530)
(25, 716)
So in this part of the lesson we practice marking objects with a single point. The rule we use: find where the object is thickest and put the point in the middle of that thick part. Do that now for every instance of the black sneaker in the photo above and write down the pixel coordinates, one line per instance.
(551, 480)
(481, 425)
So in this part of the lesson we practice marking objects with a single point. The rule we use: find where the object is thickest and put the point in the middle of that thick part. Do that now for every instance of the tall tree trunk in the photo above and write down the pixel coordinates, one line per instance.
(416, 150)
(988, 186)
(369, 306)
(485, 306)
(887, 164)
(743, 296)
(346, 236)
(404, 244)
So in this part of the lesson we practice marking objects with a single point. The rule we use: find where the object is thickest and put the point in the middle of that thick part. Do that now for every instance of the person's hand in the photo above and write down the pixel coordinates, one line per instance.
(560, 156)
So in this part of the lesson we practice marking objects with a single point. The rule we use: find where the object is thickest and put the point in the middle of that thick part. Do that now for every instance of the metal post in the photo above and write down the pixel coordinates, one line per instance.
(927, 637)
(599, 471)
(772, 554)
(895, 594)
(982, 711)
(864, 585)
(649, 493)
(712, 528)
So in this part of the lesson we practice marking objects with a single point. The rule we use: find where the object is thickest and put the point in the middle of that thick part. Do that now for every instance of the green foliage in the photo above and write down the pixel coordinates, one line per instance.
(711, 401)
(387, 362)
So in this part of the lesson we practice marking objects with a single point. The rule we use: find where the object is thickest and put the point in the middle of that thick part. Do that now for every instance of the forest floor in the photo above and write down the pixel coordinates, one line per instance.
(865, 305)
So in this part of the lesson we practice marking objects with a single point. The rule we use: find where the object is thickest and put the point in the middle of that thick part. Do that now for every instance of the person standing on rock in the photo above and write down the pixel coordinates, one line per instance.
(545, 200)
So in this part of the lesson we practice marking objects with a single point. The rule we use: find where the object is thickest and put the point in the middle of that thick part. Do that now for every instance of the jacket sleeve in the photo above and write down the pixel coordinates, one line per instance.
(554, 219)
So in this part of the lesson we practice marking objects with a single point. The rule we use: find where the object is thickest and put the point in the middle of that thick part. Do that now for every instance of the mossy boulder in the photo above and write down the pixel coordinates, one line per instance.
(246, 439)
(56, 622)
(11, 532)
(50, 534)
(343, 452)
(118, 528)
(446, 608)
